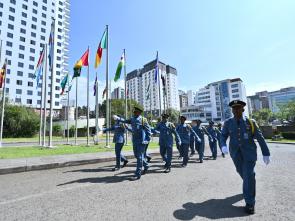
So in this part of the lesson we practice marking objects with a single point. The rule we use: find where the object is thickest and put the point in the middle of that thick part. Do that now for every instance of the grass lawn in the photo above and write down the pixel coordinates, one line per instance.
(282, 140)
(25, 152)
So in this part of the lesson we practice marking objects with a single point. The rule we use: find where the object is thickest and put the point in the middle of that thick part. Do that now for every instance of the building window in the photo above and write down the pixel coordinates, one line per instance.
(43, 30)
(32, 58)
(29, 92)
(33, 26)
(9, 35)
(56, 95)
(23, 22)
(20, 64)
(11, 18)
(25, 7)
(39, 93)
(43, 23)
(235, 96)
(56, 103)
(11, 9)
(9, 44)
(21, 47)
(20, 73)
(31, 75)
(1, 5)
(35, 3)
(34, 11)
(33, 42)
(34, 19)
(31, 67)
(234, 85)
(22, 39)
(42, 38)
(32, 50)
(43, 15)
(10, 26)
(29, 101)
(21, 56)
(235, 91)
(12, 2)
(30, 84)
(24, 15)
(23, 31)
(8, 53)
(19, 82)
(18, 91)
(7, 80)
(44, 8)
(18, 100)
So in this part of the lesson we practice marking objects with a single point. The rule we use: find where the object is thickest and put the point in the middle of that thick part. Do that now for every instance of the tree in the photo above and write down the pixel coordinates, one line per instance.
(262, 116)
(287, 111)
(174, 115)
(20, 121)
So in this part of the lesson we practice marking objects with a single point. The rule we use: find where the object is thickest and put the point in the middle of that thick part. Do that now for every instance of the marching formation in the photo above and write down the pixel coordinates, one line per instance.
(241, 130)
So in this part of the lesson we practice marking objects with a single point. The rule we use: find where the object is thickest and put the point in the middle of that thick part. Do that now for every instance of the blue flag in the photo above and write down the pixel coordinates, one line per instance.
(51, 46)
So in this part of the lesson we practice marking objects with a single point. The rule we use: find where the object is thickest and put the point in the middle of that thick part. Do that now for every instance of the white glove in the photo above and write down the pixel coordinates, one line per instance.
(224, 150)
(266, 159)
(115, 117)
(145, 142)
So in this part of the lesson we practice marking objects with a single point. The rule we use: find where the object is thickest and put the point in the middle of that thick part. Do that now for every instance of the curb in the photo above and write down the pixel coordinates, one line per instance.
(54, 165)
(276, 142)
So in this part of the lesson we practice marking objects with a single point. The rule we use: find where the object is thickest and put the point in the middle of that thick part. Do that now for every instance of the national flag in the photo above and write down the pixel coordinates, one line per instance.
(104, 92)
(156, 69)
(163, 83)
(82, 62)
(119, 68)
(51, 45)
(64, 83)
(94, 86)
(2, 74)
(39, 68)
(102, 45)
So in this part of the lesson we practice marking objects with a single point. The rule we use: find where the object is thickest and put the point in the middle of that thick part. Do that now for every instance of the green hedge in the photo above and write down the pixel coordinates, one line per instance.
(289, 135)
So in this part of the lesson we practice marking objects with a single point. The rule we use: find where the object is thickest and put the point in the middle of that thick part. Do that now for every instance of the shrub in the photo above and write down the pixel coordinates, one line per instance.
(56, 130)
(289, 135)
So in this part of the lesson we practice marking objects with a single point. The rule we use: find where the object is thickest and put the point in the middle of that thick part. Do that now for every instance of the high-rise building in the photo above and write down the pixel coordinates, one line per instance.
(280, 97)
(118, 93)
(24, 30)
(141, 86)
(191, 97)
(212, 100)
(183, 99)
(258, 101)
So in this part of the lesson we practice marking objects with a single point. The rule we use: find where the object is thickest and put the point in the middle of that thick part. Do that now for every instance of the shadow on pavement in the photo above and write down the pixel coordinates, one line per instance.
(212, 209)
(102, 169)
(107, 179)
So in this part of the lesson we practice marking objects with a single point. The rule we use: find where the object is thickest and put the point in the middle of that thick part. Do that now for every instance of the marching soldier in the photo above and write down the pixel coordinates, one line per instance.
(218, 131)
(140, 137)
(119, 140)
(184, 130)
(166, 129)
(212, 139)
(192, 141)
(200, 131)
(243, 150)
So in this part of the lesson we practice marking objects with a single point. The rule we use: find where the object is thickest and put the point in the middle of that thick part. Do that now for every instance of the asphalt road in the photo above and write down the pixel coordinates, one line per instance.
(211, 190)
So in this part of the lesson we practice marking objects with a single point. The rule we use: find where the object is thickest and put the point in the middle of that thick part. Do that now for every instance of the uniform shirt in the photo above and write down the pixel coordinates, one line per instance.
(184, 131)
(213, 135)
(242, 139)
(166, 129)
(119, 133)
(140, 129)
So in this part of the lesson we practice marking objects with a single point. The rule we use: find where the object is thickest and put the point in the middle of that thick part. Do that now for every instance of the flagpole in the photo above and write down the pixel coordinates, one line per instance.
(107, 89)
(51, 91)
(3, 100)
(68, 108)
(96, 107)
(125, 77)
(41, 104)
(45, 98)
(88, 102)
(159, 90)
(76, 120)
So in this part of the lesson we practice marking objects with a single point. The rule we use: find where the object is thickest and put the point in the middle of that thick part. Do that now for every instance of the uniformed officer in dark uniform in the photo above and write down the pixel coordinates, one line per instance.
(140, 137)
(212, 139)
(243, 151)
(218, 131)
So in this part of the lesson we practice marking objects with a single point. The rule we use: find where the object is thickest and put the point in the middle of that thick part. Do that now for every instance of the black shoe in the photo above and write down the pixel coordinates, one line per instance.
(223, 155)
(201, 161)
(148, 159)
(165, 166)
(250, 209)
(192, 154)
(134, 178)
(115, 169)
(144, 171)
(125, 163)
(183, 165)
(167, 170)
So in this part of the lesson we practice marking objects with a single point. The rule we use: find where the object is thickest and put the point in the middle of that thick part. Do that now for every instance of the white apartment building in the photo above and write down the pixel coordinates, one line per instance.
(118, 93)
(141, 87)
(212, 100)
(191, 97)
(24, 30)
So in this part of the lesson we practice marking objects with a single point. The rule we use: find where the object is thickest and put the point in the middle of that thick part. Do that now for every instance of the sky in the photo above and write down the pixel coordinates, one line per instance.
(205, 40)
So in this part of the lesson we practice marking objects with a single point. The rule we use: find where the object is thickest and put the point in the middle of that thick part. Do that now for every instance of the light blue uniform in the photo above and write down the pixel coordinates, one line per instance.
(243, 151)
(212, 141)
(166, 129)
(200, 146)
(140, 133)
(184, 131)
(119, 140)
